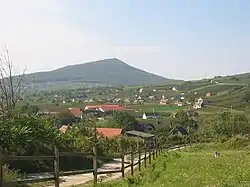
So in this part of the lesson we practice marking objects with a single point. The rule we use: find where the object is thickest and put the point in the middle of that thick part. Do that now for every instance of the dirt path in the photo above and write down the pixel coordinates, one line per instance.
(73, 180)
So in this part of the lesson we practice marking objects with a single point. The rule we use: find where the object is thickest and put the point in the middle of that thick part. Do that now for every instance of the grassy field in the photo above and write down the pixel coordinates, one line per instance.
(155, 108)
(194, 167)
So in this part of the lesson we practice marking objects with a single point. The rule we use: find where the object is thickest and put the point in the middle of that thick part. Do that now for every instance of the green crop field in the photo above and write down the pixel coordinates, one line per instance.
(196, 167)
(155, 108)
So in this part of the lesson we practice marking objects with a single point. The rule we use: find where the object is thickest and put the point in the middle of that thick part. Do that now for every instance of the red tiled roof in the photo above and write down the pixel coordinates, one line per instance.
(112, 107)
(93, 106)
(76, 111)
(107, 107)
(109, 132)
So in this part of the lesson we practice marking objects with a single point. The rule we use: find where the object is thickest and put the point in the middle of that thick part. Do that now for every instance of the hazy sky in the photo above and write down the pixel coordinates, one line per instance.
(183, 39)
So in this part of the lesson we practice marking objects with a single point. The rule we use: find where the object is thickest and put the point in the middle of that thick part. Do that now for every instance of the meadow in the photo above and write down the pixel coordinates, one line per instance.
(155, 108)
(195, 166)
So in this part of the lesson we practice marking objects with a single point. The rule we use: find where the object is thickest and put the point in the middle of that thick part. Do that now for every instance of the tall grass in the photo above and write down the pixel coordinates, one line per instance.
(196, 167)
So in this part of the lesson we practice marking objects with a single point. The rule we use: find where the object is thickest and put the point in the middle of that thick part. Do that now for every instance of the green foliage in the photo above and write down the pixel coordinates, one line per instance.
(10, 174)
(197, 168)
(124, 120)
(246, 96)
(230, 124)
(33, 135)
(238, 142)
(184, 119)
(29, 109)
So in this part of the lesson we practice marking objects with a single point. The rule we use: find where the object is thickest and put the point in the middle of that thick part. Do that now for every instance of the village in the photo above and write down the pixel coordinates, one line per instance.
(148, 108)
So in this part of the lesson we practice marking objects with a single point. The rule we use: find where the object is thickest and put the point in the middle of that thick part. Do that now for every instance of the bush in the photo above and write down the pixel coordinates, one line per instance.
(237, 142)
(9, 174)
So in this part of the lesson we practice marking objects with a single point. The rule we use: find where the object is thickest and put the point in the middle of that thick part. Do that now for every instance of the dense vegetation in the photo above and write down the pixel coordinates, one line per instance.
(28, 134)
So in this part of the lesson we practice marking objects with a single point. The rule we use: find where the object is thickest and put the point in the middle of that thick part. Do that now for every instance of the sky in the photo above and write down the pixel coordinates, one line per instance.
(181, 39)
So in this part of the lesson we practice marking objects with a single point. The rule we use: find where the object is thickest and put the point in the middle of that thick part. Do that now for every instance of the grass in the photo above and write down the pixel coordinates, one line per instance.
(194, 167)
(155, 108)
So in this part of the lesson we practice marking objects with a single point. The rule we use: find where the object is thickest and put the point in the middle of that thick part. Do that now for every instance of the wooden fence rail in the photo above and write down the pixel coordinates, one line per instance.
(148, 152)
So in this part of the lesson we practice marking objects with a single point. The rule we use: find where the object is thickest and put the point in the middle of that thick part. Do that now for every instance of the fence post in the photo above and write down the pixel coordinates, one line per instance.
(139, 157)
(154, 151)
(122, 157)
(145, 155)
(159, 148)
(95, 165)
(56, 167)
(1, 165)
(132, 163)
(149, 157)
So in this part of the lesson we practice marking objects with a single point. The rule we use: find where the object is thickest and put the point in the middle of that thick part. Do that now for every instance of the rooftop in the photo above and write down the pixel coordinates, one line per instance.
(140, 134)
(109, 132)
(76, 111)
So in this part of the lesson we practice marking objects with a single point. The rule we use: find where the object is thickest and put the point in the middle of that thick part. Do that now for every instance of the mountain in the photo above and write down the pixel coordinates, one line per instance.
(108, 72)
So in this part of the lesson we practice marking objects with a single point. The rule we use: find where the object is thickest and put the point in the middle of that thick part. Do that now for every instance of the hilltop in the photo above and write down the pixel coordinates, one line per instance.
(108, 72)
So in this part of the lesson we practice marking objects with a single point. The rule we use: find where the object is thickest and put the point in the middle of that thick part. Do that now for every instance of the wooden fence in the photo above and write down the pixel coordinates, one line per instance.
(145, 155)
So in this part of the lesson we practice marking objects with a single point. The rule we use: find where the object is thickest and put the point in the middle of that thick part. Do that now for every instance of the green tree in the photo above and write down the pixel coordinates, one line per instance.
(125, 120)
(230, 124)
(246, 96)
(182, 118)
(29, 109)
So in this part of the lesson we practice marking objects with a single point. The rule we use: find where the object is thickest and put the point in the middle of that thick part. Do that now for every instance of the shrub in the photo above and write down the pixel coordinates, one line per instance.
(10, 174)
(237, 142)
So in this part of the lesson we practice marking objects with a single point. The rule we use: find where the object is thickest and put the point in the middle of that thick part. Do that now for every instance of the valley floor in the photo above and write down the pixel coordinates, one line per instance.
(194, 167)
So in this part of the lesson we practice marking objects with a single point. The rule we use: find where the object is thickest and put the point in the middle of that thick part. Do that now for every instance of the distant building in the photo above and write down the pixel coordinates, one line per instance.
(163, 101)
(109, 132)
(179, 103)
(198, 104)
(151, 97)
(105, 108)
(149, 139)
(179, 131)
(77, 112)
(144, 127)
(150, 116)
(208, 94)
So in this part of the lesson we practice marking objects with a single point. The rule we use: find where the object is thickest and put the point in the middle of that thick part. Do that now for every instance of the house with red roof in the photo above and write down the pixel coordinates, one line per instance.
(77, 112)
(105, 108)
(109, 132)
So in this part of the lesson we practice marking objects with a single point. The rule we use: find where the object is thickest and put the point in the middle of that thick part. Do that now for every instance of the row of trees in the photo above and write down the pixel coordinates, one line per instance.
(204, 128)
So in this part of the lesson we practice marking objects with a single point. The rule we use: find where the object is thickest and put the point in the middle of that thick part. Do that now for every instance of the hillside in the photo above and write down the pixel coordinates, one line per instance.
(194, 166)
(108, 72)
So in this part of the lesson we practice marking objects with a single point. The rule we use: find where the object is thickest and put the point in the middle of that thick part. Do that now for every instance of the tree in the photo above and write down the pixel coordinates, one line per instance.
(125, 120)
(185, 119)
(29, 109)
(246, 96)
(11, 85)
(230, 124)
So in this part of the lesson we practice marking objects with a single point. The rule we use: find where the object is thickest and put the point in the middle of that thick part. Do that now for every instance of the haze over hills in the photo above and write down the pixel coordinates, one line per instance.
(108, 71)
